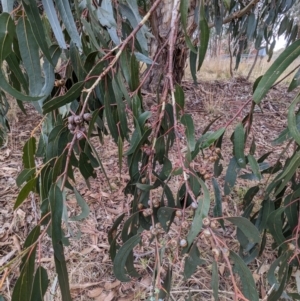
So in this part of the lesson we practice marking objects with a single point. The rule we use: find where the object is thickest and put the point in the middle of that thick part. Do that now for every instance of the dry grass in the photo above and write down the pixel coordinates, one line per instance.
(218, 68)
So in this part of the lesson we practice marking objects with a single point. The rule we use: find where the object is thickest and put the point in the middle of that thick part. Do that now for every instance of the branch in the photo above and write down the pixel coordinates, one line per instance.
(237, 14)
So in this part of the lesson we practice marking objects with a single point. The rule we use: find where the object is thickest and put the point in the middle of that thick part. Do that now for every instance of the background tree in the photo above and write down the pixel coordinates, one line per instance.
(78, 63)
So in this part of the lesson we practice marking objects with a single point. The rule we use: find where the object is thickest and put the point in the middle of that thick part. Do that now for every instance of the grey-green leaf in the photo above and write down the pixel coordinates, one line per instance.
(248, 284)
(121, 257)
(274, 72)
(85, 209)
(59, 101)
(53, 20)
(66, 15)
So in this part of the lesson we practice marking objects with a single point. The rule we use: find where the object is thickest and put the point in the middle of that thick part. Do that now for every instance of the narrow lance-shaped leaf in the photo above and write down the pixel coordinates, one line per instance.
(231, 175)
(247, 281)
(215, 280)
(23, 287)
(121, 257)
(30, 55)
(23, 194)
(59, 101)
(274, 72)
(7, 32)
(192, 261)
(187, 121)
(246, 227)
(53, 20)
(83, 205)
(56, 205)
(37, 27)
(218, 202)
(29, 152)
(295, 81)
(204, 36)
(239, 144)
(66, 15)
(40, 284)
(292, 124)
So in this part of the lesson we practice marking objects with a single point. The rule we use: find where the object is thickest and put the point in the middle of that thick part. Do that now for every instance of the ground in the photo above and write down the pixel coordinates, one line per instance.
(89, 265)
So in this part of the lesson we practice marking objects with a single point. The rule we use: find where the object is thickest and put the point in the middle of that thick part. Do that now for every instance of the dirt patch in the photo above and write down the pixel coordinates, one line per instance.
(89, 265)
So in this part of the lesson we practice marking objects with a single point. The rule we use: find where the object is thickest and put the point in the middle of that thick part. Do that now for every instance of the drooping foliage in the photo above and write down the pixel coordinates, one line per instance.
(78, 63)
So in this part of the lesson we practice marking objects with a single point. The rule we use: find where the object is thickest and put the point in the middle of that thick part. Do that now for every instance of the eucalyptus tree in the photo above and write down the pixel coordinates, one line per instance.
(78, 63)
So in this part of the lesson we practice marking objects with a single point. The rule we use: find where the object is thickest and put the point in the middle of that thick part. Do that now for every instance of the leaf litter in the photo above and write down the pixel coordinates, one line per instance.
(89, 265)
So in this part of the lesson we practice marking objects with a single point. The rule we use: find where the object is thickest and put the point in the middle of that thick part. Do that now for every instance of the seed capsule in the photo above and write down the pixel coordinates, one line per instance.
(77, 119)
(216, 253)
(206, 233)
(218, 150)
(178, 213)
(71, 126)
(87, 116)
(79, 136)
(194, 205)
(140, 206)
(71, 119)
(206, 176)
(183, 243)
(185, 224)
(206, 222)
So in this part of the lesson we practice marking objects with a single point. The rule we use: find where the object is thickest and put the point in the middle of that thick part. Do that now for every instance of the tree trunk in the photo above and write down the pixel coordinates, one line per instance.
(160, 25)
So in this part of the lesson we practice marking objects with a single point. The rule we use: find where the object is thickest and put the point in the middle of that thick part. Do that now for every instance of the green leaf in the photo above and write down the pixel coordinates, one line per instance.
(193, 62)
(165, 216)
(179, 99)
(254, 166)
(24, 176)
(29, 186)
(109, 117)
(120, 107)
(30, 56)
(204, 36)
(192, 261)
(40, 284)
(239, 145)
(120, 152)
(215, 280)
(85, 209)
(56, 205)
(112, 231)
(36, 25)
(246, 227)
(23, 287)
(274, 224)
(295, 81)
(29, 152)
(200, 213)
(7, 32)
(67, 18)
(86, 167)
(292, 124)
(59, 101)
(231, 175)
(7, 6)
(187, 121)
(53, 20)
(13, 63)
(246, 278)
(5, 86)
(164, 292)
(274, 72)
(121, 257)
(218, 202)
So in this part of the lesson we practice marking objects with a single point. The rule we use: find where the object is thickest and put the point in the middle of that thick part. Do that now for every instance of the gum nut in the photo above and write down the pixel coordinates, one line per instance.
(79, 136)
(194, 205)
(140, 206)
(218, 150)
(206, 233)
(183, 243)
(185, 224)
(178, 213)
(145, 213)
(83, 129)
(216, 252)
(71, 126)
(77, 119)
(206, 222)
(71, 119)
(87, 116)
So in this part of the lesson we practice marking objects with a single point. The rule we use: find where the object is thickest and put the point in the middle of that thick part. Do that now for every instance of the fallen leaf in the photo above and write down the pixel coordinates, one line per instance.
(95, 292)
(110, 285)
